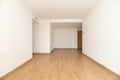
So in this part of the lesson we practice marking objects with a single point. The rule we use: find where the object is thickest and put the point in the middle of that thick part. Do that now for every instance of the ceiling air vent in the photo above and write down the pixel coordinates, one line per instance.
(36, 19)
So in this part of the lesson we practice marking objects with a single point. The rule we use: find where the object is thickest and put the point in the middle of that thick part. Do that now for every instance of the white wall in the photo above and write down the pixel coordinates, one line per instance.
(15, 35)
(42, 37)
(65, 37)
(101, 34)
(65, 34)
(51, 37)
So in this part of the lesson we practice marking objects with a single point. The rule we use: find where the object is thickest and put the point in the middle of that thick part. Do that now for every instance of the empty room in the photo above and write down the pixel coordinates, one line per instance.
(59, 40)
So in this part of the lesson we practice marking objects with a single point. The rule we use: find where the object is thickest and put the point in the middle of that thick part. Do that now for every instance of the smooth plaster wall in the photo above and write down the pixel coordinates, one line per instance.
(42, 37)
(15, 35)
(101, 34)
(65, 37)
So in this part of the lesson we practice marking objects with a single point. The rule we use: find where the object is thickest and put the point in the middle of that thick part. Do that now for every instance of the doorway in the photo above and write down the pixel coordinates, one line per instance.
(79, 40)
(65, 35)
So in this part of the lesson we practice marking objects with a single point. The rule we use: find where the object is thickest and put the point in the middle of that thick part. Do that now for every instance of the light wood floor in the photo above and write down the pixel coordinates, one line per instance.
(61, 65)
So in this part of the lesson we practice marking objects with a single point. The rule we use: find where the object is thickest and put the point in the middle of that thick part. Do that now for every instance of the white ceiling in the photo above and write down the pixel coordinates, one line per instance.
(66, 24)
(61, 9)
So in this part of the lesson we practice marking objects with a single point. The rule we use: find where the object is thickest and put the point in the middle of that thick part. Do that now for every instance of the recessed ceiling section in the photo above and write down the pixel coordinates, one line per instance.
(61, 9)
(66, 24)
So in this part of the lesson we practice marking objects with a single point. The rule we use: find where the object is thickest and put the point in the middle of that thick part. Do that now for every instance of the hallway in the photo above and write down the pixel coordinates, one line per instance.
(61, 64)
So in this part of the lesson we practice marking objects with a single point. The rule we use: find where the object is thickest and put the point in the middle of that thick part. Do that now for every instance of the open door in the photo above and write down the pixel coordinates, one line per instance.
(79, 40)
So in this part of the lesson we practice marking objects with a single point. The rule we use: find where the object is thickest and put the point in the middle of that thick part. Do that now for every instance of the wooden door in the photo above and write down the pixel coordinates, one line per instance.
(79, 39)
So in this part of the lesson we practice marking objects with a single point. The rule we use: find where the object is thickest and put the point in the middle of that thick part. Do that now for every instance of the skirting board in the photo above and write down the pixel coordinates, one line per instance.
(47, 52)
(66, 48)
(16, 68)
(102, 66)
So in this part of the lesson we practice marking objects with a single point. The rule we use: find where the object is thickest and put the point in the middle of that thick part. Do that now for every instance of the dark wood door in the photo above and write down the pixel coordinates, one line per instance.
(79, 39)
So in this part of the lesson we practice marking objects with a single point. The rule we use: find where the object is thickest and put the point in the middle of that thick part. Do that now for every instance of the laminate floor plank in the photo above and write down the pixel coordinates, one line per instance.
(61, 64)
